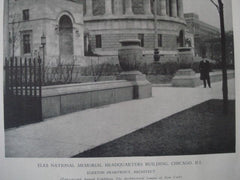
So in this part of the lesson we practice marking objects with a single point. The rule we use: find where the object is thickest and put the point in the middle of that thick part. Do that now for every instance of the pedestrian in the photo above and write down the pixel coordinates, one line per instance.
(204, 68)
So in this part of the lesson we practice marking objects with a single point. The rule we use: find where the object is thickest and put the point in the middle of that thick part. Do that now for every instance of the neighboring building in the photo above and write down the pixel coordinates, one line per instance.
(61, 21)
(203, 35)
(109, 21)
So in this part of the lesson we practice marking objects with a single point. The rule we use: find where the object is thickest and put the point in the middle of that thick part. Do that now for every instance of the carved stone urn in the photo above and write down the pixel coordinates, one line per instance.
(130, 57)
(130, 54)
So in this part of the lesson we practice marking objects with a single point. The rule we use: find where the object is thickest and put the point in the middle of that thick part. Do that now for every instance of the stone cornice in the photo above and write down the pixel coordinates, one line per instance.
(40, 19)
(133, 17)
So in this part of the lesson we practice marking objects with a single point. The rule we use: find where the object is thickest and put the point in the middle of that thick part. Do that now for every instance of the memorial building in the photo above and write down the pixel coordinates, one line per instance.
(84, 27)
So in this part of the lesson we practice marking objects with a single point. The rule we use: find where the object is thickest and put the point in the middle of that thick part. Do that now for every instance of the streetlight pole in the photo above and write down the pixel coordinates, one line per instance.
(43, 43)
(156, 55)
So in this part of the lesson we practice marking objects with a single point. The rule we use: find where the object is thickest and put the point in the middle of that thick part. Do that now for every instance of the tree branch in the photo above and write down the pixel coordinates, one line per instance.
(215, 4)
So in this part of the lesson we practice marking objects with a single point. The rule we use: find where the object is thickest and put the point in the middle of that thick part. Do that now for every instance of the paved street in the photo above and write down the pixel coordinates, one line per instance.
(71, 134)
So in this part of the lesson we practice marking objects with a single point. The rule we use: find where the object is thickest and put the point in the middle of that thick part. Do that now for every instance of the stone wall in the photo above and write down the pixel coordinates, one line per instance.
(111, 41)
(63, 99)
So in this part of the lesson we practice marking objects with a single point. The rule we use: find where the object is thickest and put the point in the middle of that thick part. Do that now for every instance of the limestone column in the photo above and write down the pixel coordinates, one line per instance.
(118, 7)
(180, 8)
(108, 7)
(167, 7)
(128, 6)
(174, 8)
(147, 7)
(89, 8)
(163, 8)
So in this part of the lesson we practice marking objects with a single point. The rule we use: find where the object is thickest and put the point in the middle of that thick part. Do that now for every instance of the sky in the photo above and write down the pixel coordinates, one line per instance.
(208, 12)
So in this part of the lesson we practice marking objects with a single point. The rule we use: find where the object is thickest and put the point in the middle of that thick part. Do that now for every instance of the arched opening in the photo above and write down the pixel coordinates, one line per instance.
(65, 39)
(181, 38)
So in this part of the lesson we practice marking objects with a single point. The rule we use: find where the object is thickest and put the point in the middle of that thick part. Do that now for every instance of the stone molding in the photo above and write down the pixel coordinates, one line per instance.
(133, 17)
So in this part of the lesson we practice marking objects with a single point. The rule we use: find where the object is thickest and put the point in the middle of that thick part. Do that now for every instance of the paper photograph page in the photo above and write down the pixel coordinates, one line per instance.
(119, 90)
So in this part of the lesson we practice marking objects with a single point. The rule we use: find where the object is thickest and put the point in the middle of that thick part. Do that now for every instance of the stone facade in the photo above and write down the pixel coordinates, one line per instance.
(130, 19)
(95, 25)
(33, 18)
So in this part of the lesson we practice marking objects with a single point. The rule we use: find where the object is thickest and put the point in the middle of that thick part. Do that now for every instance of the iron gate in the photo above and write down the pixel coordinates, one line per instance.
(22, 98)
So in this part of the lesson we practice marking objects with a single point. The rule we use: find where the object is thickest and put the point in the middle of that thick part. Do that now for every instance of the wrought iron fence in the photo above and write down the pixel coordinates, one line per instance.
(22, 100)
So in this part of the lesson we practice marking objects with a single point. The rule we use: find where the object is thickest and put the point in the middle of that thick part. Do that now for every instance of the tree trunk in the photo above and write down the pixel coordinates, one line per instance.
(224, 64)
(13, 40)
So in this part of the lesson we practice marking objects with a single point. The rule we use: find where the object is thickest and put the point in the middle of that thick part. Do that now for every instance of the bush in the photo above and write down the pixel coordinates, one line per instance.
(195, 66)
(166, 68)
(104, 69)
(66, 74)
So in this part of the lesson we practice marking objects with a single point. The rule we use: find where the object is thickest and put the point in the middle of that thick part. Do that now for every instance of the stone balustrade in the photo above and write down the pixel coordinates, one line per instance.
(172, 8)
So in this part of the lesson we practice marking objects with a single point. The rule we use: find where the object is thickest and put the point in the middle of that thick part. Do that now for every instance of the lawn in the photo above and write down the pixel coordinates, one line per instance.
(202, 129)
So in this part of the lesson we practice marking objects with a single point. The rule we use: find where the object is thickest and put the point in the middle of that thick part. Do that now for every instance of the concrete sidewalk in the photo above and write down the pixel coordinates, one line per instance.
(68, 135)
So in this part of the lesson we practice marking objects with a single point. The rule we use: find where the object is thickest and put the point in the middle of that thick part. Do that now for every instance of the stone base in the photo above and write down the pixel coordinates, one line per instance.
(186, 78)
(142, 88)
(62, 99)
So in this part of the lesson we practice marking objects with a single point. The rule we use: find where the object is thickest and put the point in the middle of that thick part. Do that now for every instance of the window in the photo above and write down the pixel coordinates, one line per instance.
(159, 40)
(141, 38)
(98, 41)
(26, 42)
(26, 14)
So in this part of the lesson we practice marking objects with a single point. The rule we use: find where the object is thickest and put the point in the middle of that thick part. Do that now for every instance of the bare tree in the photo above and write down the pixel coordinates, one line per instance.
(14, 35)
(220, 7)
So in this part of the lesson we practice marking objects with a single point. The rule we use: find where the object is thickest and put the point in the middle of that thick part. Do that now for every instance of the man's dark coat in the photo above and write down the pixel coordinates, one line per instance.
(204, 68)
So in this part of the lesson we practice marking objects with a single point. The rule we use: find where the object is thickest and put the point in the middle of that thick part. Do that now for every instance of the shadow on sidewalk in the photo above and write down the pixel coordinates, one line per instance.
(202, 129)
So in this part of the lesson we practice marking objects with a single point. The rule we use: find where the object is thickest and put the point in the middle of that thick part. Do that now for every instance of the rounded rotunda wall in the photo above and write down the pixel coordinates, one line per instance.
(113, 25)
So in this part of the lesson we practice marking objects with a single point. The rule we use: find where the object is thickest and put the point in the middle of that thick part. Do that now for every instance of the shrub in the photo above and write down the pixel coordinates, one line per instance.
(195, 66)
(165, 68)
(66, 74)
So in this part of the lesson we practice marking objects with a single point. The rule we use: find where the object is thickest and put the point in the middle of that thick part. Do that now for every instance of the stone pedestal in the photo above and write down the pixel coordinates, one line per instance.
(185, 57)
(186, 78)
(142, 88)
